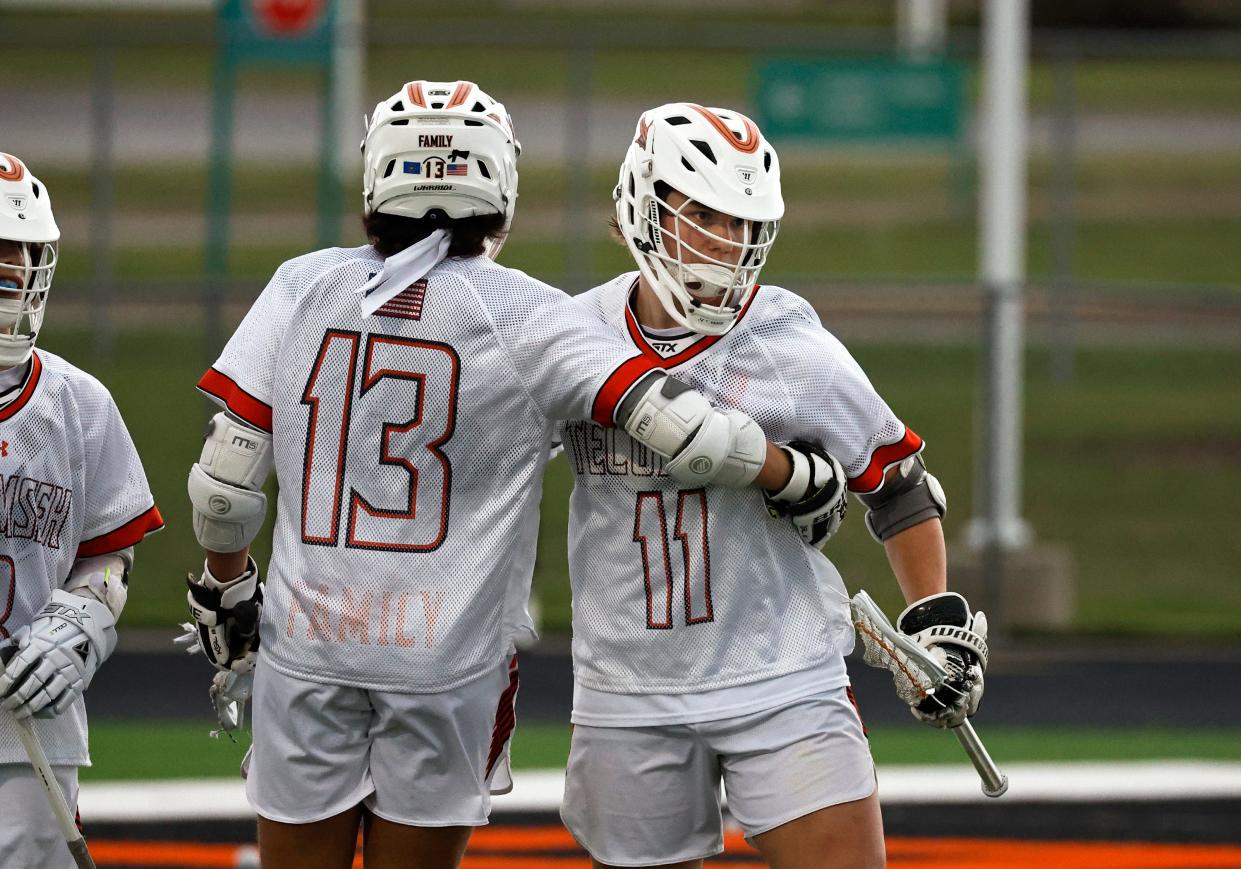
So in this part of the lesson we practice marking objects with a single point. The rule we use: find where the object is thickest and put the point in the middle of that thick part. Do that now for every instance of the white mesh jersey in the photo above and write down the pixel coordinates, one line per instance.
(409, 449)
(681, 591)
(73, 486)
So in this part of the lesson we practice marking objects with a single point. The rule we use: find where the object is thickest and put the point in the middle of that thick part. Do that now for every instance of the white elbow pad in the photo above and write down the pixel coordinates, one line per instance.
(226, 484)
(104, 578)
(704, 445)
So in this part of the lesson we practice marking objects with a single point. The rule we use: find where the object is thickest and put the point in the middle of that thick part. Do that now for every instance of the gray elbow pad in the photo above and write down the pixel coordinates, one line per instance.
(909, 497)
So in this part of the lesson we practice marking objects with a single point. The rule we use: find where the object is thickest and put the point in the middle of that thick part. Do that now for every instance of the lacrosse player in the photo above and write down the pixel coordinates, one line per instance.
(75, 503)
(709, 631)
(405, 392)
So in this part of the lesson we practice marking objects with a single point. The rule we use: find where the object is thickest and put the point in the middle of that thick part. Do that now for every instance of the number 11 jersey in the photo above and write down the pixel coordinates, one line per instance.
(688, 603)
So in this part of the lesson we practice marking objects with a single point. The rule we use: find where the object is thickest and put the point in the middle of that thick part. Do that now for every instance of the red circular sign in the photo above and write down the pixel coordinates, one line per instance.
(288, 17)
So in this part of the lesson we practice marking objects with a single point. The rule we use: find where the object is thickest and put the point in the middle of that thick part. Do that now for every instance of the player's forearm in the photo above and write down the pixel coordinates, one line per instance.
(227, 565)
(919, 559)
(776, 470)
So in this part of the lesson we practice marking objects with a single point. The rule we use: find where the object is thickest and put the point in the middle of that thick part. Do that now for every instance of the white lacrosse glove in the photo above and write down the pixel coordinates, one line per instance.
(57, 655)
(815, 498)
(736, 441)
(943, 625)
(226, 619)
(229, 692)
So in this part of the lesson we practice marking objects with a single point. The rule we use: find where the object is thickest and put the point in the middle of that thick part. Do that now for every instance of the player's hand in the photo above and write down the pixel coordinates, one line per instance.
(815, 498)
(55, 657)
(943, 625)
(226, 618)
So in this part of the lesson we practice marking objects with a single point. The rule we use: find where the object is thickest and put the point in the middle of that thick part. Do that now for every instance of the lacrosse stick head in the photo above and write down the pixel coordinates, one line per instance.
(915, 672)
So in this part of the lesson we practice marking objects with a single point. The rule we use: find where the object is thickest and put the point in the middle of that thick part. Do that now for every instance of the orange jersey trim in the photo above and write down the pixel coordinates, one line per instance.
(703, 343)
(124, 537)
(32, 383)
(225, 390)
(614, 388)
(883, 458)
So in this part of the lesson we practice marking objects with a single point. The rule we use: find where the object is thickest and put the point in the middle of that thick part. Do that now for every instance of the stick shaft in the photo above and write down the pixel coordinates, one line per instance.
(55, 797)
(994, 782)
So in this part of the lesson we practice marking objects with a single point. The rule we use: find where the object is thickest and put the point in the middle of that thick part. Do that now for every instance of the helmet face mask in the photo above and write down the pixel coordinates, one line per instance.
(699, 207)
(28, 259)
(441, 146)
(713, 259)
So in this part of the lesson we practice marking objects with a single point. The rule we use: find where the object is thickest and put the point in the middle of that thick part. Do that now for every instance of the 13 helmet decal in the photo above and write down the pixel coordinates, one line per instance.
(444, 146)
(716, 158)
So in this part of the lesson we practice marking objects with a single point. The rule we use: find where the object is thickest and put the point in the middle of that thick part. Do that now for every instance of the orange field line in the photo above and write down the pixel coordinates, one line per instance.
(520, 847)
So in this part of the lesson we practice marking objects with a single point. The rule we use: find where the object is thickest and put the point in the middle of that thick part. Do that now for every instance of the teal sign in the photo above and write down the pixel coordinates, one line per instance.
(860, 100)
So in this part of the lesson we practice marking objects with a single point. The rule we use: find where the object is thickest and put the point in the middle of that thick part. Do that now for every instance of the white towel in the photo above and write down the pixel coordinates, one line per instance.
(402, 269)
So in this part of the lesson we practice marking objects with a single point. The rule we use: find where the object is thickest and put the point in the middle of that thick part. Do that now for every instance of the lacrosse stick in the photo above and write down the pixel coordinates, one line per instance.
(73, 838)
(51, 787)
(917, 675)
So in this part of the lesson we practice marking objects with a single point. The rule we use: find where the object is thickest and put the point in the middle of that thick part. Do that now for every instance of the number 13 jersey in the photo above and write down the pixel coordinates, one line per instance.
(409, 450)
(680, 592)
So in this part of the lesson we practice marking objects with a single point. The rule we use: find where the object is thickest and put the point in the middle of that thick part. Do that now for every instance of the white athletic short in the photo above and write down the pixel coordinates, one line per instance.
(642, 796)
(29, 835)
(428, 760)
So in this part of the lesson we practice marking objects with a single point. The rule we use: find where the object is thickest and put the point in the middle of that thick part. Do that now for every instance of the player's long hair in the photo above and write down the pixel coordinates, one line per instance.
(391, 233)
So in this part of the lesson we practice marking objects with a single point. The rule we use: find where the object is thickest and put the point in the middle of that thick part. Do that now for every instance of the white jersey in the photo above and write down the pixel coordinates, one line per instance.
(73, 487)
(682, 591)
(409, 448)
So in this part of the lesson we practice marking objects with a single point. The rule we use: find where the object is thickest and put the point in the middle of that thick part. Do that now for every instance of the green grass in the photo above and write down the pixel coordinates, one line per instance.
(184, 750)
(827, 178)
(1154, 253)
(1132, 466)
(1142, 219)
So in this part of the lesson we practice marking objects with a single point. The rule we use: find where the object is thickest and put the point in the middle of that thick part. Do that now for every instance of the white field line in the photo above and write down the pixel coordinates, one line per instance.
(541, 790)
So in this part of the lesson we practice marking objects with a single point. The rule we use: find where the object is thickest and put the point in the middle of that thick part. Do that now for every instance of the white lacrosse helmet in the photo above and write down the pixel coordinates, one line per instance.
(441, 145)
(717, 158)
(26, 219)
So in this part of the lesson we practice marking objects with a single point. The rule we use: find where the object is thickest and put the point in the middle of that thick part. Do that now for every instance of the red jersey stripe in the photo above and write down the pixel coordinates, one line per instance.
(32, 383)
(225, 390)
(883, 458)
(122, 538)
(635, 333)
(617, 384)
(506, 717)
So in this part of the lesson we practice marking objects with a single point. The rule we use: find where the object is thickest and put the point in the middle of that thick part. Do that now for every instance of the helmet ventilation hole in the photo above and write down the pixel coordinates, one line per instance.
(704, 148)
(766, 161)
(677, 121)
(403, 122)
(687, 164)
(398, 106)
(391, 166)
(437, 105)
(482, 168)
